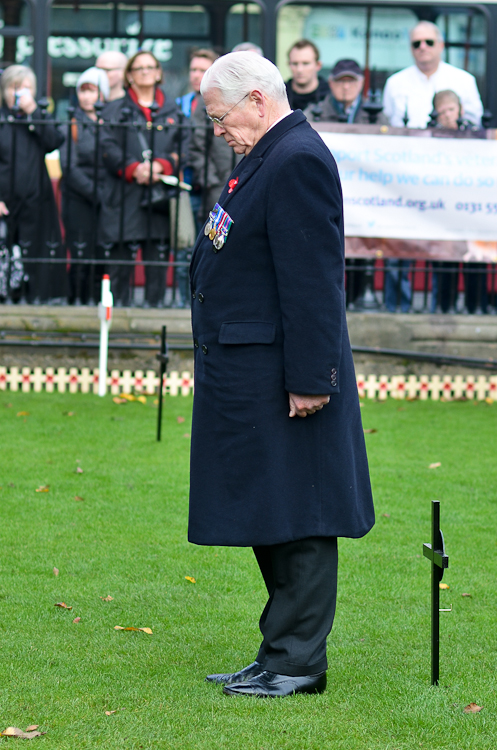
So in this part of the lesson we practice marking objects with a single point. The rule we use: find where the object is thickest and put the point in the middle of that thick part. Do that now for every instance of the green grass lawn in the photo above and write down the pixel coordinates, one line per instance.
(127, 539)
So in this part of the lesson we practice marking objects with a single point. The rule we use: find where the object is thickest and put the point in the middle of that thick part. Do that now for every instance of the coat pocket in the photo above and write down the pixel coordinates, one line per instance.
(247, 332)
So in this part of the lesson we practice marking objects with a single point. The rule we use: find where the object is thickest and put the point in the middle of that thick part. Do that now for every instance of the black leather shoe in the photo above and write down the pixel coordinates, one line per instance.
(242, 676)
(271, 685)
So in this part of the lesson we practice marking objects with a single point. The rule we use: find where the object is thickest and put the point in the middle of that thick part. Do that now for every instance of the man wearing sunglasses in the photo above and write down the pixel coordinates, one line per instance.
(408, 94)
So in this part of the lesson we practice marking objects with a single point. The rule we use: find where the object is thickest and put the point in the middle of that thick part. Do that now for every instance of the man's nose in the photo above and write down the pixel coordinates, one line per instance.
(218, 129)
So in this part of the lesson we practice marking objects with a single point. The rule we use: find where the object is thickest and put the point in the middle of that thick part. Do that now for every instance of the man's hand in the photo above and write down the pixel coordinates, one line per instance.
(301, 406)
(4, 211)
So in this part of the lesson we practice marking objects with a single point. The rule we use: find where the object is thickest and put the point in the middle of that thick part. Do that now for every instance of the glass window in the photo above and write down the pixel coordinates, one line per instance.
(166, 21)
(81, 19)
(465, 42)
(244, 24)
(342, 32)
(79, 34)
(14, 13)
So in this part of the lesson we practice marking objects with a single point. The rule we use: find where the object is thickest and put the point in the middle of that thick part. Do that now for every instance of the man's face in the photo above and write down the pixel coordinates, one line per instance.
(304, 66)
(346, 89)
(448, 113)
(426, 48)
(198, 66)
(114, 68)
(241, 127)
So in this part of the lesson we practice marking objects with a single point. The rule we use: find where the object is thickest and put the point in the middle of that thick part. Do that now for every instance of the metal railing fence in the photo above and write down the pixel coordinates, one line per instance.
(69, 259)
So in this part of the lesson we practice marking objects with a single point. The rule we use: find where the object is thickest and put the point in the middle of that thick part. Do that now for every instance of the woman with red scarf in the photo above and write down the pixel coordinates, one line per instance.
(136, 159)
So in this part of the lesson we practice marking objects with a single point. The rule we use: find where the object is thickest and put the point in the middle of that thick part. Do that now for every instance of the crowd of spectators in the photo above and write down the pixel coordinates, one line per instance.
(106, 166)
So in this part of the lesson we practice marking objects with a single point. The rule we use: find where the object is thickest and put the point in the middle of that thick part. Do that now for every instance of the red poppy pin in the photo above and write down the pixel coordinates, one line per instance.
(232, 185)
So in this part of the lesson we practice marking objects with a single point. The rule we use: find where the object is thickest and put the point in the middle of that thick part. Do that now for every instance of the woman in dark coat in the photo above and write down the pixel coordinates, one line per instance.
(130, 174)
(82, 193)
(26, 194)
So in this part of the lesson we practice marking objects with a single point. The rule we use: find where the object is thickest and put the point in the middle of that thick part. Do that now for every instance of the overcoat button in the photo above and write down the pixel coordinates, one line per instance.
(204, 349)
(195, 343)
(200, 297)
(334, 372)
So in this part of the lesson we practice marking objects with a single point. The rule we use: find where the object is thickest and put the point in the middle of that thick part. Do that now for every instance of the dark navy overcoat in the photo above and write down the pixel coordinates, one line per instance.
(268, 314)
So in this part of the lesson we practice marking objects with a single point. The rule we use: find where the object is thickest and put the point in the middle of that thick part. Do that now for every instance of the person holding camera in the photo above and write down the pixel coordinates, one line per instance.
(26, 196)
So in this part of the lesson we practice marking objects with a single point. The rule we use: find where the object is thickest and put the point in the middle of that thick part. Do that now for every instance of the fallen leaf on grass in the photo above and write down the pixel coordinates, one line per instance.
(109, 713)
(68, 413)
(465, 594)
(56, 571)
(179, 420)
(141, 399)
(107, 598)
(63, 605)
(191, 579)
(8, 406)
(76, 619)
(187, 435)
(128, 396)
(472, 708)
(370, 431)
(43, 488)
(144, 630)
(435, 465)
(79, 470)
(489, 400)
(23, 414)
(118, 400)
(443, 586)
(32, 727)
(78, 498)
(386, 515)
(15, 732)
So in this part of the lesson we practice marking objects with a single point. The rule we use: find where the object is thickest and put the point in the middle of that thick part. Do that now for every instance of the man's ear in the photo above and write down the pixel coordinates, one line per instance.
(319, 65)
(258, 98)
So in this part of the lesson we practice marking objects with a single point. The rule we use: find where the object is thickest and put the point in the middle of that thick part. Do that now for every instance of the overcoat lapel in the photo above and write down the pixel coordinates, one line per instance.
(250, 164)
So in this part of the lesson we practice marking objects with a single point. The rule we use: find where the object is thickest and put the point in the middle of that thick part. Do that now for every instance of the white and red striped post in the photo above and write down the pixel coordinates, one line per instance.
(105, 315)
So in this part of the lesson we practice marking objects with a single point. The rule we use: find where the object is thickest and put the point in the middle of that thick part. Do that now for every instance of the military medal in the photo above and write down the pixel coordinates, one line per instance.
(212, 221)
(218, 226)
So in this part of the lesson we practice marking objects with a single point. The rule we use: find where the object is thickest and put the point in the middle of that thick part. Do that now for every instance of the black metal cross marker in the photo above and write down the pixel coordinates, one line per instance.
(435, 552)
(163, 358)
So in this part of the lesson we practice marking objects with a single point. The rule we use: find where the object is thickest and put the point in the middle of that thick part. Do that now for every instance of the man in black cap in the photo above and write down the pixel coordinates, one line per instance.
(345, 101)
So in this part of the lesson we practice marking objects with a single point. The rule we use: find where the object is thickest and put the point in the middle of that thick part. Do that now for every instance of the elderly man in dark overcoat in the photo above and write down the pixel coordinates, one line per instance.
(278, 461)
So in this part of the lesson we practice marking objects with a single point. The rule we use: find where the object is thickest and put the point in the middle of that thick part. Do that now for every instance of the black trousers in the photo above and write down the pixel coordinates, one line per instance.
(301, 580)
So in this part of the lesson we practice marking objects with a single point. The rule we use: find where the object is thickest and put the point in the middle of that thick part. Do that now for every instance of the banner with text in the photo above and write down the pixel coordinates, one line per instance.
(417, 188)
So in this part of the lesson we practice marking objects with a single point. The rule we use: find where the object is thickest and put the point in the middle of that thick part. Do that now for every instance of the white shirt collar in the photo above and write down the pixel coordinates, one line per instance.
(279, 120)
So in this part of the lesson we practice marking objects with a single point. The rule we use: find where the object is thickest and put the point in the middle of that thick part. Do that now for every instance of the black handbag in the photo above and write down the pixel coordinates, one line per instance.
(157, 195)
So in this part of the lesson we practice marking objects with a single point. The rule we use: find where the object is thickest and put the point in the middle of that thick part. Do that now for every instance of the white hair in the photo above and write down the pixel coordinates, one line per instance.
(248, 47)
(431, 26)
(239, 73)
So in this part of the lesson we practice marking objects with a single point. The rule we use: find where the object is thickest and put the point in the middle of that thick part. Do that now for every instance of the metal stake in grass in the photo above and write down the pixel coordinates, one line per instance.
(435, 552)
(163, 358)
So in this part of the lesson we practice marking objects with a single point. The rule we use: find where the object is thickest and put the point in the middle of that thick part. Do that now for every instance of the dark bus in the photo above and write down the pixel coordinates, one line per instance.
(60, 39)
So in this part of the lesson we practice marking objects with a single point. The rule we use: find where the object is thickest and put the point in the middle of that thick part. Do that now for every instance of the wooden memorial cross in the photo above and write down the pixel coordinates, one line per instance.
(435, 552)
(163, 358)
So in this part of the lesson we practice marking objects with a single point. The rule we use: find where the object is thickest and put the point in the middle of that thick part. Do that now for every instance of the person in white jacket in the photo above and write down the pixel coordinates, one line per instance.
(408, 94)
